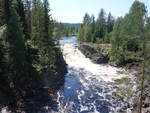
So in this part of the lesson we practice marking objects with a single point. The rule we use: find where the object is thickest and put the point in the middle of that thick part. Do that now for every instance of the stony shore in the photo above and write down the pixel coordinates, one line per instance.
(101, 56)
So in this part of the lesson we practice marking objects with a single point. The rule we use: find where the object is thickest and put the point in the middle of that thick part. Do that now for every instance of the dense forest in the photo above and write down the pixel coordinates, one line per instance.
(32, 62)
(29, 56)
(127, 39)
(125, 34)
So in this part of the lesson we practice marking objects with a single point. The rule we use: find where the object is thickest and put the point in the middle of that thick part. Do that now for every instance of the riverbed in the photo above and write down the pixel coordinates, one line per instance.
(89, 87)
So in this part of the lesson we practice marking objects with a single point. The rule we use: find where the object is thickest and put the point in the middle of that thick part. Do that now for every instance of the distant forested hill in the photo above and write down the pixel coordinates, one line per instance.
(72, 24)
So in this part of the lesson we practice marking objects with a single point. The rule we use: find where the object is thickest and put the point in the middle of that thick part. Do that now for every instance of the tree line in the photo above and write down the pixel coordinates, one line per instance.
(96, 30)
(129, 37)
(125, 34)
(27, 44)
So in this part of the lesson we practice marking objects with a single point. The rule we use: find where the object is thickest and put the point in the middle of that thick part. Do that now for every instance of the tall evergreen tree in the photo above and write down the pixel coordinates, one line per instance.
(110, 23)
(85, 35)
(27, 10)
(2, 64)
(86, 19)
(2, 12)
(21, 13)
(93, 24)
(17, 66)
(37, 21)
(46, 19)
(101, 25)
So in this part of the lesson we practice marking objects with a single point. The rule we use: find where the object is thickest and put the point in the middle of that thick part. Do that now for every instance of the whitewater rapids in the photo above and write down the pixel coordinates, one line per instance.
(89, 87)
(75, 59)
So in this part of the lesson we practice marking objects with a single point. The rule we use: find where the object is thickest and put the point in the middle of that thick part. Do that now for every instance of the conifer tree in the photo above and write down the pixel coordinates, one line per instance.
(2, 12)
(110, 23)
(17, 65)
(101, 25)
(93, 28)
(21, 13)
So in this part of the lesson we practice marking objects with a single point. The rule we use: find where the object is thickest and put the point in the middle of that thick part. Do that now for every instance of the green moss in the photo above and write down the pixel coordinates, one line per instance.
(124, 92)
(123, 80)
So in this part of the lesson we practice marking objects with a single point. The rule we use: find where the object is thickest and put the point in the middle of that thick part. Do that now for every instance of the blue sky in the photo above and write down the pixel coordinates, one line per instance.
(72, 11)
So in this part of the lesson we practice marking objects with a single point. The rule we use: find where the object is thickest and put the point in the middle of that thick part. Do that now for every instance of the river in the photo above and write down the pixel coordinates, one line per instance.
(89, 87)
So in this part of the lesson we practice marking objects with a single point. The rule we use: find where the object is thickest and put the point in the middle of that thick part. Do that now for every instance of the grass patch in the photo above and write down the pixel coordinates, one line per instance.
(124, 92)
(123, 80)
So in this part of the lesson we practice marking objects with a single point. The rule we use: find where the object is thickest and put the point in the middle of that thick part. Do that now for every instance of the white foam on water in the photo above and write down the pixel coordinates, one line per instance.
(76, 59)
(91, 75)
(5, 110)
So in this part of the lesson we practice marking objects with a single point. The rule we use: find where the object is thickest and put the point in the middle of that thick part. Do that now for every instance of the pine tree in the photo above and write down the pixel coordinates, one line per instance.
(46, 18)
(21, 13)
(6, 10)
(37, 21)
(17, 65)
(86, 33)
(86, 19)
(110, 23)
(2, 12)
(27, 10)
(93, 38)
(2, 64)
(101, 25)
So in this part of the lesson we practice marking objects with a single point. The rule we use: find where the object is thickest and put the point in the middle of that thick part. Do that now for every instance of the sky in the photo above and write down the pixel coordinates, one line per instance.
(72, 11)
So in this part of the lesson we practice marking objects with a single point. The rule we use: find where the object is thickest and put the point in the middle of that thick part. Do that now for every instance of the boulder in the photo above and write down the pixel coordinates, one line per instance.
(100, 58)
(87, 50)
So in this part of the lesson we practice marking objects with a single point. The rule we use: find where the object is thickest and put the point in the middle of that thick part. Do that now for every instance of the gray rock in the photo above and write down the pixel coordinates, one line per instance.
(91, 52)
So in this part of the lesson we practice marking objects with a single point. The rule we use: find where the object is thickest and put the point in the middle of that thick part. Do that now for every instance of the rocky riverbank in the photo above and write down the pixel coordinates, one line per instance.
(100, 55)
(91, 52)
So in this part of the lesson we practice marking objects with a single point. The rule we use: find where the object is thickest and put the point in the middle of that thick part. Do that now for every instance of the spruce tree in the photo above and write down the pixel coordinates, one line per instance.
(93, 28)
(2, 12)
(101, 25)
(2, 64)
(17, 65)
(86, 19)
(110, 23)
(21, 13)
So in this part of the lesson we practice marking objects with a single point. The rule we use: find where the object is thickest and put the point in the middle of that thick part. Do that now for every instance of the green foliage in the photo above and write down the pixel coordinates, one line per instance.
(110, 23)
(87, 30)
(123, 80)
(128, 32)
(101, 25)
(125, 34)
(2, 21)
(27, 47)
(98, 31)
(118, 57)
(2, 64)
(62, 30)
(15, 37)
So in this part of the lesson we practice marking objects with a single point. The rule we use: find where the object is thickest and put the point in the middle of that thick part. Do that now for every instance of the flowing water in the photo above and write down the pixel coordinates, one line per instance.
(89, 87)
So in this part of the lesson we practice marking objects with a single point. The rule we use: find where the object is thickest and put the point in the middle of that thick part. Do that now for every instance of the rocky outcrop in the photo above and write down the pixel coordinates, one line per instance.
(100, 58)
(54, 77)
(92, 53)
